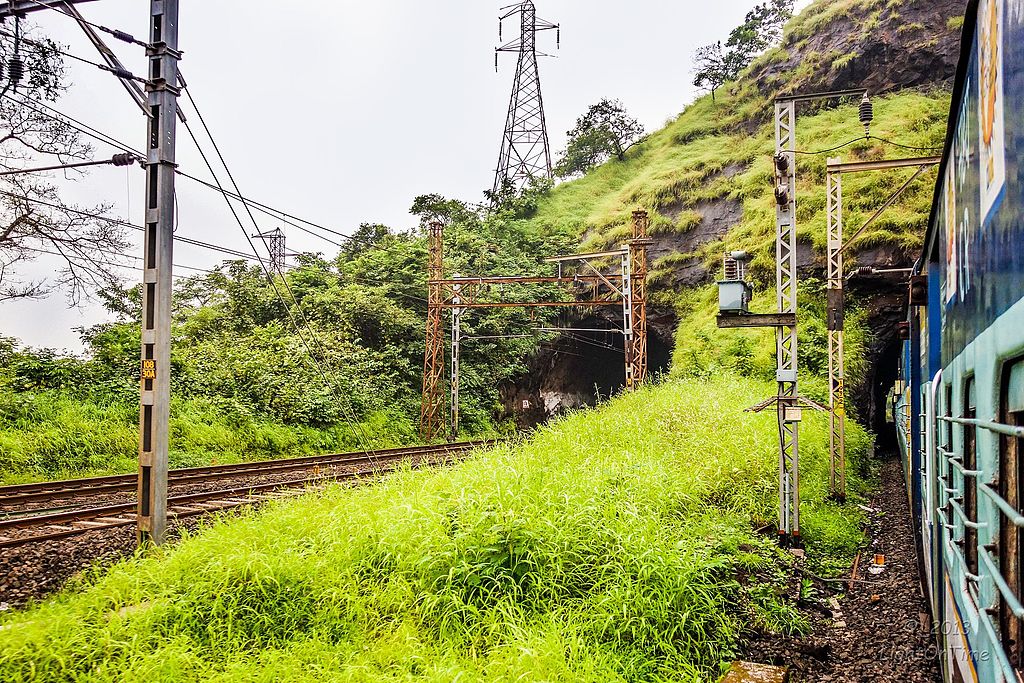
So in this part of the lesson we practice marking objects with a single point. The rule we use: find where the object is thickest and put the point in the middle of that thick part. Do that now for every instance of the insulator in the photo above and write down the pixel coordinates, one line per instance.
(782, 195)
(867, 114)
(495, 61)
(121, 35)
(782, 164)
(123, 159)
(15, 70)
(499, 31)
(558, 37)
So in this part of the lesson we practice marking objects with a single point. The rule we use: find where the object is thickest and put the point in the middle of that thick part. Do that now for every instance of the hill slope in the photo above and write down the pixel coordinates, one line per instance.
(706, 179)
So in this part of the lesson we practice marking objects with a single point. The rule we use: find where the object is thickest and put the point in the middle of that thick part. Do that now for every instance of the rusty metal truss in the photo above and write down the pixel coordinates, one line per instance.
(587, 286)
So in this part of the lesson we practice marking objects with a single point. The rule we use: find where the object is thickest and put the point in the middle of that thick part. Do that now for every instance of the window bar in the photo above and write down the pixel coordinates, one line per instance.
(1004, 588)
(1004, 664)
(990, 425)
(1015, 517)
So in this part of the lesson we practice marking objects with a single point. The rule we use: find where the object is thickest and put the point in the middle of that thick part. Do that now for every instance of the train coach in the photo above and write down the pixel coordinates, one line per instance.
(959, 404)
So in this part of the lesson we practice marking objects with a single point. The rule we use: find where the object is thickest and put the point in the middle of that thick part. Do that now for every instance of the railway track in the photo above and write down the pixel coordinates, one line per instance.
(52, 491)
(55, 522)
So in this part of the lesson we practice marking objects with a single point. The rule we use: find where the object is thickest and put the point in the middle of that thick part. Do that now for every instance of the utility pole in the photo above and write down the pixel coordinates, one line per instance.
(787, 406)
(525, 153)
(275, 241)
(433, 357)
(159, 104)
(636, 341)
(155, 396)
(453, 435)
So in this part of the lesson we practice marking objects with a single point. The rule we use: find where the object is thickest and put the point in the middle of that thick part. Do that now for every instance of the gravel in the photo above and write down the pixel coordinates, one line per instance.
(879, 630)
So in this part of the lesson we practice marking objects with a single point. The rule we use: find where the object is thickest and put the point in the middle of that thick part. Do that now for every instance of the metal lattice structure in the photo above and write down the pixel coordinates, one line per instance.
(588, 289)
(835, 168)
(525, 152)
(788, 409)
(836, 349)
(275, 243)
(431, 417)
(636, 329)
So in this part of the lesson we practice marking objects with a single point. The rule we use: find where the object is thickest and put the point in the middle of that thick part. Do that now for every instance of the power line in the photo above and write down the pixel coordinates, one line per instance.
(117, 221)
(73, 123)
(869, 138)
(116, 160)
(349, 417)
(41, 48)
(120, 35)
(278, 214)
(195, 242)
(270, 276)
(115, 264)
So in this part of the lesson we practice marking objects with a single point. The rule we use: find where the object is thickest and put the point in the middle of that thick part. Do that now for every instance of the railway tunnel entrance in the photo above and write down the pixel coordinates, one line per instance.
(577, 369)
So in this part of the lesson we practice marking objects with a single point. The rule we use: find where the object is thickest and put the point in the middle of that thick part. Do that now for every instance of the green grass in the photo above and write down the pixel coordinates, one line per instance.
(615, 545)
(50, 435)
(682, 164)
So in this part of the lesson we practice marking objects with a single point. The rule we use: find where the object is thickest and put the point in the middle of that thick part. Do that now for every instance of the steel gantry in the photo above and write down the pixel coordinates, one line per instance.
(433, 359)
(788, 400)
(462, 293)
(635, 303)
(835, 168)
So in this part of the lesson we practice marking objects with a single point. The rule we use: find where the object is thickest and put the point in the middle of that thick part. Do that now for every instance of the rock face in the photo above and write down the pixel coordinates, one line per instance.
(878, 45)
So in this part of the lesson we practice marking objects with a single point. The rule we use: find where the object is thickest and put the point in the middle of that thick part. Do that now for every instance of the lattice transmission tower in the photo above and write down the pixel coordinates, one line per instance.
(525, 153)
(274, 240)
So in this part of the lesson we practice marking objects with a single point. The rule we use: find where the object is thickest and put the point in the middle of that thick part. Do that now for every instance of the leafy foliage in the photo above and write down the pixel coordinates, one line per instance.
(716, 65)
(603, 132)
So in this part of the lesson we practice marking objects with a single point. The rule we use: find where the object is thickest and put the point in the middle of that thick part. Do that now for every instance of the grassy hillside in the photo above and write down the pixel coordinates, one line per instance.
(617, 545)
(717, 153)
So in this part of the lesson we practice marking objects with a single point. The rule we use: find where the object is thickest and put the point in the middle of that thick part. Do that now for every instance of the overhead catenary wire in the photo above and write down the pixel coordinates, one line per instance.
(118, 265)
(868, 138)
(194, 242)
(120, 35)
(41, 48)
(100, 136)
(317, 362)
(126, 224)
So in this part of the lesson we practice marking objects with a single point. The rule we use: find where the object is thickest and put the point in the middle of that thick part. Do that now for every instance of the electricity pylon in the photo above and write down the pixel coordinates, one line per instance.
(525, 153)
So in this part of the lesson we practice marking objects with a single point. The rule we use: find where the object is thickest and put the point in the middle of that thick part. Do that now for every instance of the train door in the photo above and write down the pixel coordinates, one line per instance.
(1011, 537)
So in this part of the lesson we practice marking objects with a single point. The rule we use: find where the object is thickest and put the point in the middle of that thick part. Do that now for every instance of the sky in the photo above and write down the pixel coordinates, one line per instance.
(342, 112)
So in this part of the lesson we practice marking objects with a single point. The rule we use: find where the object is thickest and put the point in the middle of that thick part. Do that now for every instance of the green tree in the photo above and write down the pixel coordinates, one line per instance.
(604, 131)
(715, 65)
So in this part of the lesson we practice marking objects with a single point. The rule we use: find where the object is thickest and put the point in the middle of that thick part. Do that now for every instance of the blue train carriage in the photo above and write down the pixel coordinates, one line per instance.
(962, 395)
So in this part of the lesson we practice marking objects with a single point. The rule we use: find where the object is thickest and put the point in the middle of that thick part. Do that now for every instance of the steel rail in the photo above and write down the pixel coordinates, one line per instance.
(185, 505)
(56, 490)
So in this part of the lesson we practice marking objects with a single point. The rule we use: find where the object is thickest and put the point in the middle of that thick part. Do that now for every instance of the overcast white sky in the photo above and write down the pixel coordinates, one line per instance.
(341, 112)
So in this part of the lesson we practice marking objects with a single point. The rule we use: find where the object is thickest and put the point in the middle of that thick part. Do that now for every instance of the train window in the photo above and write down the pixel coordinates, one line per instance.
(971, 483)
(1011, 538)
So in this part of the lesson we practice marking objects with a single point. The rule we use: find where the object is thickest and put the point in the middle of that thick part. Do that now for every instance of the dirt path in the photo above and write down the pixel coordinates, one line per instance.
(879, 631)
